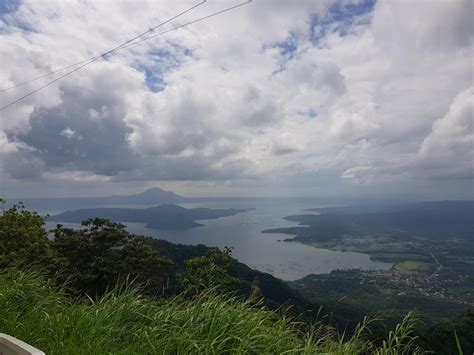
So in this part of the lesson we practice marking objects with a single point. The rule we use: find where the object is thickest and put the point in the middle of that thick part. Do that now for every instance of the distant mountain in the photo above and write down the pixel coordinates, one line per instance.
(152, 196)
(166, 216)
(157, 196)
(431, 219)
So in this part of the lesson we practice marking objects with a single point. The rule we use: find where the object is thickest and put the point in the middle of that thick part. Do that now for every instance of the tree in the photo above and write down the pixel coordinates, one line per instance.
(104, 253)
(452, 334)
(207, 271)
(23, 239)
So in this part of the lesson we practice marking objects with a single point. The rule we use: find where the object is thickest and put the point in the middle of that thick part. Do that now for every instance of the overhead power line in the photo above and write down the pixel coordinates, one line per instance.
(188, 23)
(105, 53)
(124, 45)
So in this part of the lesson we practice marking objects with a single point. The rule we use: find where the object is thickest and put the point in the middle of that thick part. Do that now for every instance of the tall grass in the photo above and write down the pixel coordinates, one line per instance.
(124, 322)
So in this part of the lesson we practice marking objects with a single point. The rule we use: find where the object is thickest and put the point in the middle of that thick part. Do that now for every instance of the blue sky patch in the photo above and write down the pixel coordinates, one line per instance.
(154, 80)
(9, 6)
(339, 17)
(309, 113)
(159, 62)
(288, 49)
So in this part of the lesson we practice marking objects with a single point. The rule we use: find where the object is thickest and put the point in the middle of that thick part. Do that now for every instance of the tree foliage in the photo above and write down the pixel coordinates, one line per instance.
(208, 271)
(104, 253)
(456, 333)
(23, 239)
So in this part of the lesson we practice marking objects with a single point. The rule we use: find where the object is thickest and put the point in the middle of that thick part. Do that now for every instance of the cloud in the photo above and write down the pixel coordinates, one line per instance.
(448, 149)
(68, 137)
(285, 144)
(369, 93)
(23, 164)
(407, 28)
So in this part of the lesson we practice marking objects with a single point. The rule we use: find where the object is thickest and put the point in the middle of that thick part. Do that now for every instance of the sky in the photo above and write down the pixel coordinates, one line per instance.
(275, 98)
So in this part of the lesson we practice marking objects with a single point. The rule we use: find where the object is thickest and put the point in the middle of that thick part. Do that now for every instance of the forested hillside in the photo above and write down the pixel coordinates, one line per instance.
(437, 219)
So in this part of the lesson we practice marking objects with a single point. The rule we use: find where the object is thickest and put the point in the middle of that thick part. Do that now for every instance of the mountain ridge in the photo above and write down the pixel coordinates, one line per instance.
(165, 216)
(150, 196)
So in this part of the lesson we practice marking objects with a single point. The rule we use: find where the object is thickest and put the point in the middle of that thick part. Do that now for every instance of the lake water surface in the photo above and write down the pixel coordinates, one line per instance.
(262, 251)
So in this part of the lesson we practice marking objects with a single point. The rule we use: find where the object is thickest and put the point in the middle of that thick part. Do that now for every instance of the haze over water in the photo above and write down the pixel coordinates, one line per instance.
(265, 252)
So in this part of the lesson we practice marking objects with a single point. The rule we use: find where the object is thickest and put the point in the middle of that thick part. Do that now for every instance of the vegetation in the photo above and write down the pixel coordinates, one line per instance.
(101, 289)
(430, 245)
(276, 292)
(351, 295)
(413, 266)
(96, 257)
(167, 216)
(452, 334)
(124, 322)
(23, 239)
(437, 219)
(207, 271)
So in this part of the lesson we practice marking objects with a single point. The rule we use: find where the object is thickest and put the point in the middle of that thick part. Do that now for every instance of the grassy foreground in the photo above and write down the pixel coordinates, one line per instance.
(124, 322)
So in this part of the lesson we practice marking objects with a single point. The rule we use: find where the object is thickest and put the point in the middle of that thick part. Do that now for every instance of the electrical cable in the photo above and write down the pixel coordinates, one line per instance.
(125, 45)
(105, 53)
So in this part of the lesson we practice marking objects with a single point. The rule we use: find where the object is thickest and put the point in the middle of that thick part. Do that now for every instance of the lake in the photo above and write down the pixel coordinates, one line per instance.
(264, 252)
